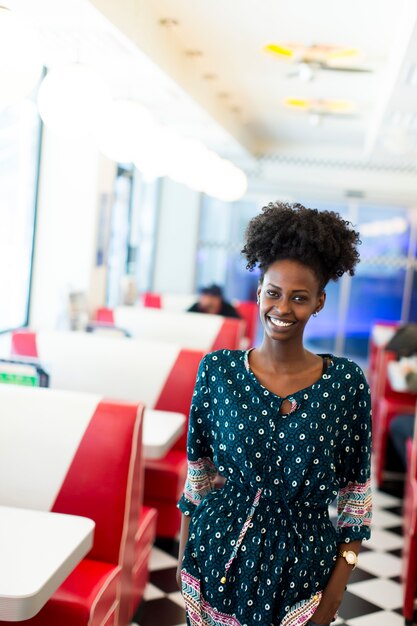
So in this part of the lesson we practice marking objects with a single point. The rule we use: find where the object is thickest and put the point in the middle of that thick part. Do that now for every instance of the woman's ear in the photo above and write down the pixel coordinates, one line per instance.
(321, 301)
(258, 293)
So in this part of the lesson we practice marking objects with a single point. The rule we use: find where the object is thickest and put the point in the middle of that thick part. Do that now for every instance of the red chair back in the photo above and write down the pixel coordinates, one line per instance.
(107, 468)
(249, 312)
(104, 314)
(152, 300)
(383, 387)
(177, 392)
(23, 343)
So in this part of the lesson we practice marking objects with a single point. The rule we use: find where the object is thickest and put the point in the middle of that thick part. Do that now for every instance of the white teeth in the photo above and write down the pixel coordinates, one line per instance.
(279, 323)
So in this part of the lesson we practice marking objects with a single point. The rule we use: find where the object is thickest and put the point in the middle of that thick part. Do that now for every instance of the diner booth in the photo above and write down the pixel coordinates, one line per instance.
(75, 535)
(161, 375)
(389, 340)
(149, 385)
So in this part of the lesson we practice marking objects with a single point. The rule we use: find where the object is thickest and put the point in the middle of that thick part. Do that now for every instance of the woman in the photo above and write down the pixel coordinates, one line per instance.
(289, 430)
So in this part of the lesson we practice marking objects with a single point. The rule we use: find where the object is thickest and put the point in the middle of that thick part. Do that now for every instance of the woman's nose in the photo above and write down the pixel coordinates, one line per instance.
(283, 306)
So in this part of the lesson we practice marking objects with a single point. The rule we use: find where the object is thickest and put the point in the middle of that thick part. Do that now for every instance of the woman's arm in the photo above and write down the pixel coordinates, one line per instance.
(201, 470)
(354, 502)
(185, 525)
(335, 588)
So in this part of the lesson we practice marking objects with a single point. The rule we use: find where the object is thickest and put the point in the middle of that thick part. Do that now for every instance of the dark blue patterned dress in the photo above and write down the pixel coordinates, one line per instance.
(261, 549)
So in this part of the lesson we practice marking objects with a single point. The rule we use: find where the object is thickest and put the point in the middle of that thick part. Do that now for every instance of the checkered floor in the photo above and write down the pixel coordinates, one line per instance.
(374, 594)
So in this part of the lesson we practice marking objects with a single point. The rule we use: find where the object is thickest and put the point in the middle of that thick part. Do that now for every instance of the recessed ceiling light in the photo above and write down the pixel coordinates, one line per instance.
(193, 54)
(168, 22)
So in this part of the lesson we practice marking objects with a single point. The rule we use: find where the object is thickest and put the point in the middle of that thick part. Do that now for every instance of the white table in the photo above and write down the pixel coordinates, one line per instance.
(381, 334)
(38, 550)
(161, 429)
(397, 371)
(396, 376)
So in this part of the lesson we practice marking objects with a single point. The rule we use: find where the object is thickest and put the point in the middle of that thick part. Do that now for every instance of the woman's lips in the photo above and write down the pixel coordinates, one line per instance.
(280, 323)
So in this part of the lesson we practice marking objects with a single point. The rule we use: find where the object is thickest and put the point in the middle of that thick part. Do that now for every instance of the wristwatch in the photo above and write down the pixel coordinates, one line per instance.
(350, 557)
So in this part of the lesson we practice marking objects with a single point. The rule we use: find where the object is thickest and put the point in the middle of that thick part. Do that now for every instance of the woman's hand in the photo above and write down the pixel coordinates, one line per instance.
(178, 577)
(327, 609)
(185, 525)
(333, 593)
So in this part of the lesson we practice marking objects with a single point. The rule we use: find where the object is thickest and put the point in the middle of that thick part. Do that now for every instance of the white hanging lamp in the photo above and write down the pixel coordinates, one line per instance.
(152, 153)
(20, 57)
(70, 98)
(121, 127)
(227, 182)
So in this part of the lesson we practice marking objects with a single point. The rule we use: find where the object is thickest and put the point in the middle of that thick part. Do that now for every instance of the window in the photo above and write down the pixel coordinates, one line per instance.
(20, 131)
(384, 286)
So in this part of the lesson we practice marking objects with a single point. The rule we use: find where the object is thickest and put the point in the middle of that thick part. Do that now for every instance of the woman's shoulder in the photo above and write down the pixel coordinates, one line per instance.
(347, 367)
(225, 357)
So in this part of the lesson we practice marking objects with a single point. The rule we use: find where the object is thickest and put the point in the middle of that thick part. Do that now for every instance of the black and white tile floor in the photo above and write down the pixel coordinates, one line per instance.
(373, 598)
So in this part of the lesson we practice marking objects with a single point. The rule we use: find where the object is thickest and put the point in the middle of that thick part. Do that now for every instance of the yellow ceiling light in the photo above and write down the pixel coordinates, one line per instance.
(343, 53)
(315, 53)
(321, 106)
(308, 60)
(296, 103)
(274, 48)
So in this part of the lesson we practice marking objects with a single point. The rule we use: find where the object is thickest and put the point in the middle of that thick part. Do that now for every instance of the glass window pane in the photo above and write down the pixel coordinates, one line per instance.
(119, 236)
(320, 332)
(143, 231)
(377, 289)
(19, 149)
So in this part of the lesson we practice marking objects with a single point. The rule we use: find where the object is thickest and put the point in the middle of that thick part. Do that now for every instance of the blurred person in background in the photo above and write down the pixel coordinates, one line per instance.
(402, 426)
(211, 301)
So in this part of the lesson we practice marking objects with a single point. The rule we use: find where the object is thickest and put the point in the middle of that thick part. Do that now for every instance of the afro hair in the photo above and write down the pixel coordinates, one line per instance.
(322, 240)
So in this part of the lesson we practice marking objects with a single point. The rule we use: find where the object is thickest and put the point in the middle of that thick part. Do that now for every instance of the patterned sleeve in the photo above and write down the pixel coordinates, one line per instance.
(201, 469)
(354, 502)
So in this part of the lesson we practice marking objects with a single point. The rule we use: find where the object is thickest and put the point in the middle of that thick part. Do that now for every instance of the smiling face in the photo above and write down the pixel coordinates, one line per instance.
(288, 296)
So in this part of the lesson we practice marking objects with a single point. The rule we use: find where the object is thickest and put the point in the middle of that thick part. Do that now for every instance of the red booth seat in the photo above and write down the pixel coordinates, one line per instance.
(387, 403)
(381, 333)
(161, 375)
(144, 539)
(74, 453)
(247, 309)
(189, 330)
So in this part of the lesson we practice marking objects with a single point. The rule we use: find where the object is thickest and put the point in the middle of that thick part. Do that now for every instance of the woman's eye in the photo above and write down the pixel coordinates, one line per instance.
(271, 294)
(300, 298)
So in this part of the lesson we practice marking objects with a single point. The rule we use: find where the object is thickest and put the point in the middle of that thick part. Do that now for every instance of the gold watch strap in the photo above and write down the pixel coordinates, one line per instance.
(342, 553)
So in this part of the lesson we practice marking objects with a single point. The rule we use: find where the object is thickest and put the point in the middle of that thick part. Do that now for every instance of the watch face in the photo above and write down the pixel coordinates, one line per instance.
(351, 557)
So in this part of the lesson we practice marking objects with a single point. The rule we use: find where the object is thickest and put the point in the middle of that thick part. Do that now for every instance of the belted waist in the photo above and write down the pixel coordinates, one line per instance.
(289, 510)
(276, 496)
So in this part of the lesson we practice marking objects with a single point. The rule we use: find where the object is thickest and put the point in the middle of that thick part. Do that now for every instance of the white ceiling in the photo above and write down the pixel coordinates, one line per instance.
(231, 95)
(231, 36)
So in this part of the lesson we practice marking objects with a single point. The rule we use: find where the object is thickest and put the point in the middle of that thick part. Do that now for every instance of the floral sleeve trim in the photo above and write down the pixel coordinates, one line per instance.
(302, 612)
(354, 506)
(199, 481)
